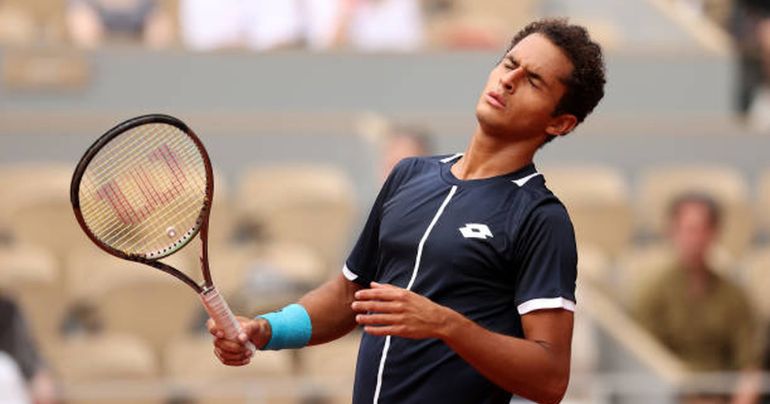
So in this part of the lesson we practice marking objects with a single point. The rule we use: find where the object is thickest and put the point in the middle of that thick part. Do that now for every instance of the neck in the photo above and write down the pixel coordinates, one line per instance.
(489, 156)
(699, 277)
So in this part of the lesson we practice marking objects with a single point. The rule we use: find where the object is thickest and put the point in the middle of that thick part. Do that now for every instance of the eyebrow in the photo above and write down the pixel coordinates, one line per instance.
(534, 75)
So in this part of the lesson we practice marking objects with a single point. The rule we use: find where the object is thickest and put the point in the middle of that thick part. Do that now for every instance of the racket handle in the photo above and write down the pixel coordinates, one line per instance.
(220, 312)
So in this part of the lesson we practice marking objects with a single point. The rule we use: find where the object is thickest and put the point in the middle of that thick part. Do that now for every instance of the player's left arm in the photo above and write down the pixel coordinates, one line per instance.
(535, 367)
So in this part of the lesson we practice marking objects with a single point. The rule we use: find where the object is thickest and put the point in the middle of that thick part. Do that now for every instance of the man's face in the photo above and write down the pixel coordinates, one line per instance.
(692, 232)
(522, 91)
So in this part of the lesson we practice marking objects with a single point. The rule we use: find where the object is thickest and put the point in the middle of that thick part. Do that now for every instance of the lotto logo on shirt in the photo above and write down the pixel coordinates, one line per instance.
(476, 230)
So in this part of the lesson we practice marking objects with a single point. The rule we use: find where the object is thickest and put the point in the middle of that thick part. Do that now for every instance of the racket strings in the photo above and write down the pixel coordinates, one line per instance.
(131, 151)
(118, 231)
(129, 215)
(153, 195)
(144, 191)
(153, 198)
(127, 238)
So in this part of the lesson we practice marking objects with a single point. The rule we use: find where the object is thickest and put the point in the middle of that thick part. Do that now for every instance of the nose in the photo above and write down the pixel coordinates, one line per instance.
(510, 79)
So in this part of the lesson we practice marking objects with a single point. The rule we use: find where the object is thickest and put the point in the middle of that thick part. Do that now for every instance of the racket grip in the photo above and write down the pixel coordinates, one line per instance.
(220, 312)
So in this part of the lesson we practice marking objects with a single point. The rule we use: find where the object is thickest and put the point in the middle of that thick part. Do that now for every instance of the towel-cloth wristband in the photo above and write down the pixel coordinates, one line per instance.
(290, 327)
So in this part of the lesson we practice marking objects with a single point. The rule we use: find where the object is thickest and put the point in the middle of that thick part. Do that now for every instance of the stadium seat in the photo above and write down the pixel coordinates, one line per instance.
(107, 368)
(598, 202)
(584, 362)
(594, 271)
(755, 277)
(310, 205)
(222, 219)
(49, 223)
(36, 207)
(132, 298)
(594, 266)
(190, 364)
(331, 367)
(48, 18)
(104, 357)
(263, 279)
(659, 186)
(17, 26)
(30, 181)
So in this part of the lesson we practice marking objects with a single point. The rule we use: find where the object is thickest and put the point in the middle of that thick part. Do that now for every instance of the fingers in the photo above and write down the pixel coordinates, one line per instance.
(377, 306)
(233, 359)
(235, 352)
(214, 330)
(378, 319)
(232, 353)
(229, 345)
(381, 292)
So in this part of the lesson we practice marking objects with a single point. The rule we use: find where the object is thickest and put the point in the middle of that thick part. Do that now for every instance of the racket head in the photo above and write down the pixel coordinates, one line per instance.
(143, 190)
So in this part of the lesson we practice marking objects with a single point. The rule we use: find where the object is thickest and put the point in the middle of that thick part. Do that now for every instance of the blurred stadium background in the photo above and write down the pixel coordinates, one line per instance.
(296, 112)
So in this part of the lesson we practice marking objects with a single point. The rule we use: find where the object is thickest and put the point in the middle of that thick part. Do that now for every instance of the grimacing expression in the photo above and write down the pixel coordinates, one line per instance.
(523, 90)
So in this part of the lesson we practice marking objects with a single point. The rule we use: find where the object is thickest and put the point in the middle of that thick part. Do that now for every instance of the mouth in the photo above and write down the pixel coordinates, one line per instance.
(495, 100)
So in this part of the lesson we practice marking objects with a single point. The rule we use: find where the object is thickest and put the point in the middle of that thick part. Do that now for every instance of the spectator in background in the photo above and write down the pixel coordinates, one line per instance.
(478, 24)
(255, 24)
(704, 319)
(401, 142)
(18, 345)
(92, 22)
(379, 25)
(751, 30)
(368, 25)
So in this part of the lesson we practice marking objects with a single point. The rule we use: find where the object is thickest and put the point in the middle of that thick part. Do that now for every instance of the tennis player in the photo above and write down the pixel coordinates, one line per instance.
(464, 274)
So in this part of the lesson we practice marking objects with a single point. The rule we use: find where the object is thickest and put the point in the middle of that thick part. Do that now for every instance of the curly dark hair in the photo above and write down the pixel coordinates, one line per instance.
(585, 86)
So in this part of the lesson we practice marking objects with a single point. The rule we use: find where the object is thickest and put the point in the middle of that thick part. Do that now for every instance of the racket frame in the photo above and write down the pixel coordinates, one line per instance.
(200, 229)
(212, 300)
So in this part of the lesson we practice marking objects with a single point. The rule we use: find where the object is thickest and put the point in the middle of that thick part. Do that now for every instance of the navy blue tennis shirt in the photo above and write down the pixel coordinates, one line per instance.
(491, 249)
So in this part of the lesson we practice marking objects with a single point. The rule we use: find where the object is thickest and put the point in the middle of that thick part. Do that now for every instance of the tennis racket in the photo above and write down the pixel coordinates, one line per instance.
(142, 192)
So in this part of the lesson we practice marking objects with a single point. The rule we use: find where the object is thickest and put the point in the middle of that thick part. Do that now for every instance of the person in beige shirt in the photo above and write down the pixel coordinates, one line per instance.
(703, 318)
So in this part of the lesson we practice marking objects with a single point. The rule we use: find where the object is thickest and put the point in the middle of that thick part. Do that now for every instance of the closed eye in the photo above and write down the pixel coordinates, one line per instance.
(533, 80)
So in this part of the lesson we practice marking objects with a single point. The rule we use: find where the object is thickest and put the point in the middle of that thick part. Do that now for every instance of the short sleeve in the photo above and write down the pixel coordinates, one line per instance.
(547, 258)
(361, 265)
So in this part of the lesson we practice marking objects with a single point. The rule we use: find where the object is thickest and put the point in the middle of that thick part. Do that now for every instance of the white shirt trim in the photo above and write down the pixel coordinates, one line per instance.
(521, 181)
(450, 158)
(349, 275)
(546, 303)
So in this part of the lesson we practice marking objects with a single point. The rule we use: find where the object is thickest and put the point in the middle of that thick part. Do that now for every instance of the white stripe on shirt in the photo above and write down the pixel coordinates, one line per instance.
(385, 347)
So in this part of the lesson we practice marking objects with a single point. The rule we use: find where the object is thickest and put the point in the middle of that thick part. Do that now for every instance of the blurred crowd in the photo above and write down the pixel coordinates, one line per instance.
(358, 25)
(362, 25)
(699, 291)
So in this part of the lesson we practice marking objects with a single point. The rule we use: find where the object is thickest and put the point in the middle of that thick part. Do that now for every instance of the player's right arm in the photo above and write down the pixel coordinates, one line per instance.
(330, 314)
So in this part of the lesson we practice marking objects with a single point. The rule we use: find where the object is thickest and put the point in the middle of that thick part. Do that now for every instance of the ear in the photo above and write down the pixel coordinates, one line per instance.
(561, 125)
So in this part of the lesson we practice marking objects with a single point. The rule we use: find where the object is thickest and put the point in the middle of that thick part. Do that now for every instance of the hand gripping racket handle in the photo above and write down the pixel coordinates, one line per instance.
(220, 312)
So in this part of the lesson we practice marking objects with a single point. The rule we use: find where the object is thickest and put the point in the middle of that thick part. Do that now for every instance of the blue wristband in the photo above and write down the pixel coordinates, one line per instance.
(290, 328)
